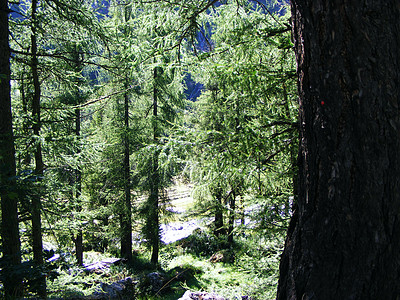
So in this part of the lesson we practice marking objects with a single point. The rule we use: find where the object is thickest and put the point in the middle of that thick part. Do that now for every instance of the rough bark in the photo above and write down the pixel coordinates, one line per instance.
(8, 193)
(344, 237)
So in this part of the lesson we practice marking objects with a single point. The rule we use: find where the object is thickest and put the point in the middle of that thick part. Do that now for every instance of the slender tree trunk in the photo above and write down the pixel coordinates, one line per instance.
(26, 160)
(235, 185)
(126, 216)
(78, 182)
(39, 166)
(78, 241)
(77, 176)
(242, 211)
(219, 213)
(155, 180)
(155, 212)
(232, 209)
(8, 192)
(344, 237)
(37, 243)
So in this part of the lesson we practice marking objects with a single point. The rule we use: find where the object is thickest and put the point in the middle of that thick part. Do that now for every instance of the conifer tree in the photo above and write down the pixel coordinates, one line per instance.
(49, 52)
(8, 192)
(37, 243)
(142, 35)
(248, 126)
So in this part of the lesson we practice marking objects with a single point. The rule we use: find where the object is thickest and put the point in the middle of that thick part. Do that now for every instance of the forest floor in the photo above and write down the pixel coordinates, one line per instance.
(191, 258)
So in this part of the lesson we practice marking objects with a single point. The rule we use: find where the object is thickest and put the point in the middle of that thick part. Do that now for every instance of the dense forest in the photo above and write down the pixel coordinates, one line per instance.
(116, 107)
(199, 149)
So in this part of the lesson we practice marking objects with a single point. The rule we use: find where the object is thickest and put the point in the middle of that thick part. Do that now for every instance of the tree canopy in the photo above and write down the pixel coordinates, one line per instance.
(105, 126)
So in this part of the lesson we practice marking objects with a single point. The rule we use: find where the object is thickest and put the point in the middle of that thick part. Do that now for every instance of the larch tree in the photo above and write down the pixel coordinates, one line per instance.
(156, 81)
(118, 113)
(344, 237)
(244, 123)
(126, 215)
(37, 242)
(53, 84)
(9, 217)
(78, 99)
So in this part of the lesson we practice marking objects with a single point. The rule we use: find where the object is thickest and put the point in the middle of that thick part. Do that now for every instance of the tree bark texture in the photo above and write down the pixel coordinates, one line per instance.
(8, 191)
(344, 239)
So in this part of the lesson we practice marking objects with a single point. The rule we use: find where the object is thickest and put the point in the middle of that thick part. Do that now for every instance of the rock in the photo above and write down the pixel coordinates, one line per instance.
(188, 295)
(122, 289)
(183, 274)
(101, 265)
(224, 256)
(152, 283)
(176, 231)
(156, 281)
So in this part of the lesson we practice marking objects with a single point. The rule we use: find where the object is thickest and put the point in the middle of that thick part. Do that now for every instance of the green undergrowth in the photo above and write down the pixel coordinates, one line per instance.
(249, 268)
(200, 262)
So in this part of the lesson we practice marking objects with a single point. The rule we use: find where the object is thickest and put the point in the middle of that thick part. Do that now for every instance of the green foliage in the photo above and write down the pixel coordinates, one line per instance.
(253, 271)
(244, 124)
(237, 143)
(202, 244)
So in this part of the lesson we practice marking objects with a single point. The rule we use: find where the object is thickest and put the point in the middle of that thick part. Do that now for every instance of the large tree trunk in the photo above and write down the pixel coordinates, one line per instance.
(8, 192)
(344, 239)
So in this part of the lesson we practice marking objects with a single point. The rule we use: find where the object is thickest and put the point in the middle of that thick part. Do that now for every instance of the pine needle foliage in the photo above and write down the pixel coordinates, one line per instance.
(246, 134)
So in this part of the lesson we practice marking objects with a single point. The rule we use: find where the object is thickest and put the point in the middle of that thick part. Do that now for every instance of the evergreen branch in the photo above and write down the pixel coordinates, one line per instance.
(53, 212)
(65, 58)
(270, 157)
(268, 11)
(192, 22)
(104, 97)
(281, 132)
(211, 3)
(275, 123)
(166, 1)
